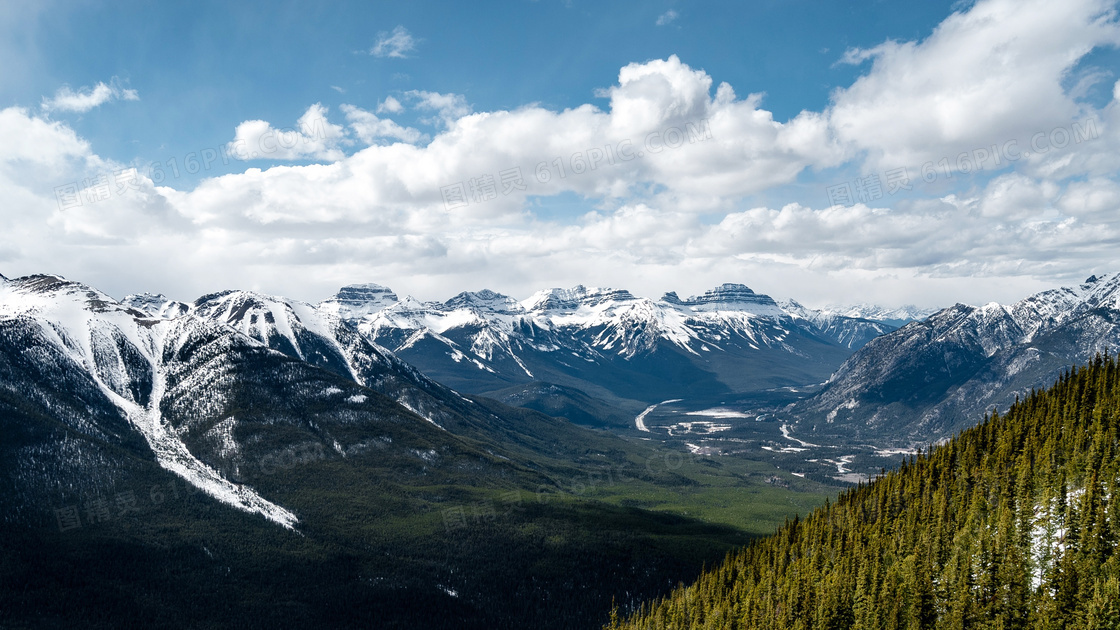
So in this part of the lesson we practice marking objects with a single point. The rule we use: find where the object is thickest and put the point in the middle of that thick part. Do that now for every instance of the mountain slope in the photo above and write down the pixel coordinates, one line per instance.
(115, 358)
(931, 378)
(1012, 524)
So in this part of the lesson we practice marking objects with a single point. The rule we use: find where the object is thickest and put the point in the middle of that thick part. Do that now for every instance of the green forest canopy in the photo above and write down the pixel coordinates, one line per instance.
(1012, 524)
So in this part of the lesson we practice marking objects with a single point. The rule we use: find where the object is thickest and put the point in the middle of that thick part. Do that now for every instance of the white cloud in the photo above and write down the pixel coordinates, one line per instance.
(986, 76)
(370, 129)
(85, 99)
(449, 107)
(312, 138)
(1093, 200)
(391, 105)
(395, 44)
(667, 17)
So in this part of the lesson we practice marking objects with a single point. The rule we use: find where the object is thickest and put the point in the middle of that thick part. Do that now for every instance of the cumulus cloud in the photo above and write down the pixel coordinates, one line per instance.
(44, 163)
(985, 76)
(447, 107)
(395, 44)
(85, 99)
(390, 105)
(312, 138)
(371, 129)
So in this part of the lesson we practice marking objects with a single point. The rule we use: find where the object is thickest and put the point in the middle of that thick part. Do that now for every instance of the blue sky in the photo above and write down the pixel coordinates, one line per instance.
(398, 101)
(204, 67)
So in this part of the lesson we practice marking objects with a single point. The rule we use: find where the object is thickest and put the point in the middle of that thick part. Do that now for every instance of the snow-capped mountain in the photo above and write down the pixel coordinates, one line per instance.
(609, 342)
(91, 388)
(319, 337)
(851, 331)
(129, 364)
(933, 377)
(156, 305)
(899, 316)
(357, 300)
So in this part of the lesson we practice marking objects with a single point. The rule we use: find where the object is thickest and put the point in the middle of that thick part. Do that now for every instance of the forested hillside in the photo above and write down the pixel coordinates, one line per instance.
(1012, 524)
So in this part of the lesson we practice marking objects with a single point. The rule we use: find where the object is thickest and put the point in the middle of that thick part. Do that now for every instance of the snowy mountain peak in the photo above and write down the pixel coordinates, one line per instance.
(32, 295)
(1104, 291)
(121, 350)
(796, 309)
(147, 302)
(572, 299)
(671, 297)
(355, 301)
(897, 316)
(727, 297)
(277, 322)
(970, 359)
(1046, 309)
(727, 290)
(1108, 282)
(409, 303)
(485, 300)
(731, 296)
(156, 305)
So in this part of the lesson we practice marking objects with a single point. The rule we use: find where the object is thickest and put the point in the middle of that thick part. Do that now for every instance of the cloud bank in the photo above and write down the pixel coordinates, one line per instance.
(667, 168)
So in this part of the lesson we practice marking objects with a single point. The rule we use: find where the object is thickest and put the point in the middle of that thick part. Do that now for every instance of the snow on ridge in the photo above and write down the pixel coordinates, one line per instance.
(156, 305)
(253, 315)
(81, 322)
(259, 316)
(172, 454)
(872, 312)
(1046, 310)
(622, 323)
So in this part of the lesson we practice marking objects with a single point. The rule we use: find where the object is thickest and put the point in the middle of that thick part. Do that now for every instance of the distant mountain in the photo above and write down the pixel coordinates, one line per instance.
(608, 343)
(1011, 524)
(931, 378)
(851, 330)
(899, 316)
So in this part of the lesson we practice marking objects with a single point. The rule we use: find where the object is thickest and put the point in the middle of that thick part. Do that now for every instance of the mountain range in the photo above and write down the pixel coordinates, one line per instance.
(934, 377)
(625, 350)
